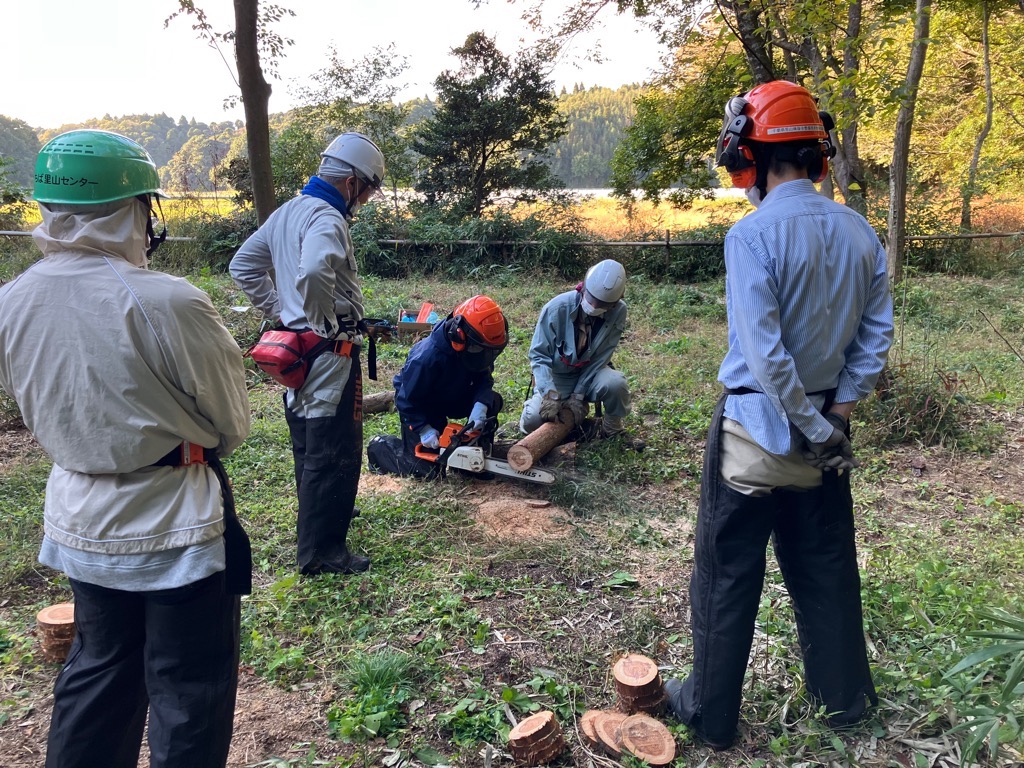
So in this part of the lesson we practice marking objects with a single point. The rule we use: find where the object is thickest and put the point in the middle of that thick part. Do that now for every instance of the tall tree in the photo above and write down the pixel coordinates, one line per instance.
(495, 120)
(256, 45)
(967, 193)
(895, 242)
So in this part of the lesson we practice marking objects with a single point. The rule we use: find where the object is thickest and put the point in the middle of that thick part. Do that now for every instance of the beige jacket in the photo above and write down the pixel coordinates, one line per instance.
(112, 366)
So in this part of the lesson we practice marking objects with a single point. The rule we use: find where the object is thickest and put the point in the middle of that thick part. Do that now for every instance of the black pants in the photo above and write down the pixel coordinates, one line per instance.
(813, 536)
(328, 455)
(173, 650)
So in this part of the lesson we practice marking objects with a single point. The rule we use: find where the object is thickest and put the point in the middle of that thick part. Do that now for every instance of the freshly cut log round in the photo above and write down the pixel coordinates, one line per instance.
(647, 739)
(606, 726)
(537, 739)
(636, 675)
(56, 630)
(57, 620)
(587, 727)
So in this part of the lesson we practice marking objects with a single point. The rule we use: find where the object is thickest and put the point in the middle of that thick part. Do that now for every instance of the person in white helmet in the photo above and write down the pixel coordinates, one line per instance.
(300, 270)
(570, 356)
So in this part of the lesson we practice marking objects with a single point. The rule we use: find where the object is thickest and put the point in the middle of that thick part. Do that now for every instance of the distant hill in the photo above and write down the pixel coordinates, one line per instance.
(186, 150)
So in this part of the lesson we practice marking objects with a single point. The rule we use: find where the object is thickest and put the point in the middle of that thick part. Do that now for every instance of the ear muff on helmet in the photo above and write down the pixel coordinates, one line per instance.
(455, 333)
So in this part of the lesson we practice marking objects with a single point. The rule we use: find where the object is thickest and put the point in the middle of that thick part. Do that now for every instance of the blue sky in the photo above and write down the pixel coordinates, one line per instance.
(86, 58)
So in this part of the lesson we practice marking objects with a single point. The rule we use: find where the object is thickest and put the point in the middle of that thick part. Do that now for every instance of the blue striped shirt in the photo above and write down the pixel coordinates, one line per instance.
(809, 310)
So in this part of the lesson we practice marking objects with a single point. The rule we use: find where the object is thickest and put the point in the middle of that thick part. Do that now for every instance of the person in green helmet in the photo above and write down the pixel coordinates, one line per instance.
(134, 387)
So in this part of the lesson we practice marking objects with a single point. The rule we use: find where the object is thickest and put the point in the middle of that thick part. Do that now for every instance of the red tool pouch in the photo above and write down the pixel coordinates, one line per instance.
(286, 356)
(279, 354)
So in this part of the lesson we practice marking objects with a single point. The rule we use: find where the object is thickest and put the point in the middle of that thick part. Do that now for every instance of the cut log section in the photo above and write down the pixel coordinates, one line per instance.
(537, 739)
(536, 445)
(607, 727)
(647, 739)
(381, 402)
(638, 684)
(56, 631)
(587, 728)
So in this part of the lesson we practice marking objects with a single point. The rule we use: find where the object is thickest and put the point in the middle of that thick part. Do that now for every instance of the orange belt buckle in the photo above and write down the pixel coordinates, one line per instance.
(343, 348)
(191, 453)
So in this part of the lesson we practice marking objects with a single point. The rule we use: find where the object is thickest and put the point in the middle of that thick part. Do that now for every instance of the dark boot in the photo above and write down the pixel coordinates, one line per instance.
(348, 563)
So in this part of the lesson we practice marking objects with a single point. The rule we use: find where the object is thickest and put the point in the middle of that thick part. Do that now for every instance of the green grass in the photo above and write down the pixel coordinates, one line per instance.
(453, 632)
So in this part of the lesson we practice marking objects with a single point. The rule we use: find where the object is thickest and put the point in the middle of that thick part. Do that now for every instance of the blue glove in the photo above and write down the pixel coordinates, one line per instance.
(429, 439)
(478, 416)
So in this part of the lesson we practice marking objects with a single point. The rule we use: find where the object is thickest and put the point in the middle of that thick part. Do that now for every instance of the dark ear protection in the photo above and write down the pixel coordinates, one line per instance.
(455, 334)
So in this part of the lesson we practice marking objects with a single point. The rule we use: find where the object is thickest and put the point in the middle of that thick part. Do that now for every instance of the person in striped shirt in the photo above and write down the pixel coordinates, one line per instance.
(810, 326)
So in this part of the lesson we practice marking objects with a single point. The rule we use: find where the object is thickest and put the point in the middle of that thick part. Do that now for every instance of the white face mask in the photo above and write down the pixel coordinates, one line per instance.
(590, 309)
(754, 196)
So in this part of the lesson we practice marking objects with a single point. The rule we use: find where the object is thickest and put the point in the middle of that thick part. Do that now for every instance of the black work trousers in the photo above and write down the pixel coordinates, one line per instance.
(174, 651)
(328, 454)
(813, 536)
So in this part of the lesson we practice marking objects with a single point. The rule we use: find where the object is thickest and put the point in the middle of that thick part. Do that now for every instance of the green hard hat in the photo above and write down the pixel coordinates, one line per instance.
(88, 167)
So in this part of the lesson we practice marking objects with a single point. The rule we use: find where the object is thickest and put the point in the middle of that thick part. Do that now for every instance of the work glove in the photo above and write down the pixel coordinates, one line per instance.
(478, 416)
(429, 439)
(836, 452)
(551, 406)
(577, 407)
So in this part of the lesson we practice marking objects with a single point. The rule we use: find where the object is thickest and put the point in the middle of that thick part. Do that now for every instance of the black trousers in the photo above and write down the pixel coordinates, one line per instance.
(813, 536)
(328, 454)
(174, 651)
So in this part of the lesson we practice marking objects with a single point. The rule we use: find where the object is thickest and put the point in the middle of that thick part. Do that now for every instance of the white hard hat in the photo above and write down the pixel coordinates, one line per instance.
(606, 281)
(359, 152)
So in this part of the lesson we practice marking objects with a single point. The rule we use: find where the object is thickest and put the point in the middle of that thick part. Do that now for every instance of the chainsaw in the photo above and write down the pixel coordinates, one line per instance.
(460, 449)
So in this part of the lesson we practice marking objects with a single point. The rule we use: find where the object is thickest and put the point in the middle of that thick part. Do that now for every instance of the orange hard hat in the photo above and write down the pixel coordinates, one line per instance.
(478, 321)
(771, 113)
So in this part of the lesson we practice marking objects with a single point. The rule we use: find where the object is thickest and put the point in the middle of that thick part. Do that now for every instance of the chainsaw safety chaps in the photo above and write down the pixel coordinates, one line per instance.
(328, 457)
(812, 532)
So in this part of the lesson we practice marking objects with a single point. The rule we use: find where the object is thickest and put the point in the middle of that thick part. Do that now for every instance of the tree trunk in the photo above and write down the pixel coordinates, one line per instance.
(255, 100)
(752, 34)
(897, 219)
(849, 171)
(972, 173)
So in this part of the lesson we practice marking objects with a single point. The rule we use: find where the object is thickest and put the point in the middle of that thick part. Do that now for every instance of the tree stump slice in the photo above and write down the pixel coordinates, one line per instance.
(536, 445)
(56, 630)
(647, 739)
(537, 739)
(607, 727)
(588, 729)
(638, 684)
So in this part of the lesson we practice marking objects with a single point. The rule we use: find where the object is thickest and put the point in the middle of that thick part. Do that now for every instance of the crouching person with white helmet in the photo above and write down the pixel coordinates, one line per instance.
(133, 386)
(300, 269)
(571, 353)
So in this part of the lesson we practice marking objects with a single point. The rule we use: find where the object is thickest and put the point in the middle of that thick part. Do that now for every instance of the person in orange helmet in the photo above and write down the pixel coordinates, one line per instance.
(810, 325)
(447, 376)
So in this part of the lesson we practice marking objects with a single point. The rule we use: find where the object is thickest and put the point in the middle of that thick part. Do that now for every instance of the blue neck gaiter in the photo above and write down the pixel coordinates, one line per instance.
(317, 187)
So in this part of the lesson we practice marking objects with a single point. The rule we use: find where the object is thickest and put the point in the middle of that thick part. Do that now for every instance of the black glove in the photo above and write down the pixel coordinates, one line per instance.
(577, 407)
(836, 452)
(551, 406)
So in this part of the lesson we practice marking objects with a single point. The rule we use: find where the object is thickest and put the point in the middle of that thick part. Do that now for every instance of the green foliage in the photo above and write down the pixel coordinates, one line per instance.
(19, 146)
(381, 684)
(498, 246)
(495, 119)
(596, 120)
(994, 708)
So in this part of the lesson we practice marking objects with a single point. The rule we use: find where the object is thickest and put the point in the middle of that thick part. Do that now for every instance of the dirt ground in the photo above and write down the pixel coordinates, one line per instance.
(274, 723)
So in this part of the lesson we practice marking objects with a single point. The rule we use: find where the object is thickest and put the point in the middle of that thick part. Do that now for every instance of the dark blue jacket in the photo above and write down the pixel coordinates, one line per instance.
(434, 386)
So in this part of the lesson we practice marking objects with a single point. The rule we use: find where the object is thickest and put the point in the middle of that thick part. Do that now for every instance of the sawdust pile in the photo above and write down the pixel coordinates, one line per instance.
(515, 519)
